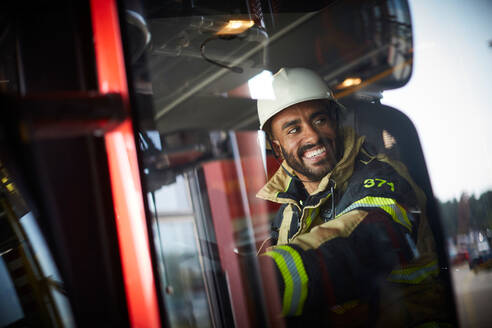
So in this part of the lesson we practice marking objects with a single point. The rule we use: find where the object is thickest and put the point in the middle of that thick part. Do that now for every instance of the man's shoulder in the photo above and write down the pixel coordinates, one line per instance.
(370, 166)
(375, 178)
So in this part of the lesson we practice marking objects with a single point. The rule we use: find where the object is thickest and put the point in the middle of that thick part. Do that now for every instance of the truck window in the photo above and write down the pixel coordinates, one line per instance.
(201, 72)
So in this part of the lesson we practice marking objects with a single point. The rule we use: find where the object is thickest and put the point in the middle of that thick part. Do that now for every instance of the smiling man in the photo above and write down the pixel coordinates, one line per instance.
(351, 244)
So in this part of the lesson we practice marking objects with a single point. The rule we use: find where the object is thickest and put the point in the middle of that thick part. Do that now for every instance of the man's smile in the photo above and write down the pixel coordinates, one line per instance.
(314, 154)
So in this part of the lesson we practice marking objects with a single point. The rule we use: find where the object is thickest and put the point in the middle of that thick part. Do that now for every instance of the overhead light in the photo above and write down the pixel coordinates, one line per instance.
(260, 86)
(235, 27)
(350, 82)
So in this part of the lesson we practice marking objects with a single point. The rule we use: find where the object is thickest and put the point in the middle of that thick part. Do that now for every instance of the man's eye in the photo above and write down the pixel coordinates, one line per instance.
(319, 121)
(292, 131)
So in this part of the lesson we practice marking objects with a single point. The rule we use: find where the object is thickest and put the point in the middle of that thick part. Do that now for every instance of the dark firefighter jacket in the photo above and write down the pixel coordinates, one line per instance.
(358, 251)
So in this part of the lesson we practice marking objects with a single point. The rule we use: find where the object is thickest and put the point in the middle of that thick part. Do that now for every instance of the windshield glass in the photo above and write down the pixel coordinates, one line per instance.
(324, 214)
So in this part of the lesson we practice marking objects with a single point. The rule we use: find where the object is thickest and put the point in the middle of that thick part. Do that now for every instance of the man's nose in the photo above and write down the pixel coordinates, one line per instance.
(310, 135)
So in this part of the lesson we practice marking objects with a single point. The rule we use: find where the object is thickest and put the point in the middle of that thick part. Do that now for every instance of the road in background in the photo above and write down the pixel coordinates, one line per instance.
(473, 296)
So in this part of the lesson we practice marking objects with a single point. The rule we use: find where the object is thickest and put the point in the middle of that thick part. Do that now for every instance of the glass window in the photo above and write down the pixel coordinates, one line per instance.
(453, 57)
(346, 229)
(177, 242)
(10, 301)
(32, 291)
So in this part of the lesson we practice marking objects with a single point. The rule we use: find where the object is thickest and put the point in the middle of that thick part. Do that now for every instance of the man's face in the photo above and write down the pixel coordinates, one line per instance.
(305, 136)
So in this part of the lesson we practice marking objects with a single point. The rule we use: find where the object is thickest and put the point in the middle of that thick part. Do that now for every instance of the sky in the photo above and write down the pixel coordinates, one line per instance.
(449, 94)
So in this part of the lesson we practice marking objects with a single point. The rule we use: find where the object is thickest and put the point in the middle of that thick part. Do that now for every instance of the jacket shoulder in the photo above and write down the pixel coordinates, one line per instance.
(374, 178)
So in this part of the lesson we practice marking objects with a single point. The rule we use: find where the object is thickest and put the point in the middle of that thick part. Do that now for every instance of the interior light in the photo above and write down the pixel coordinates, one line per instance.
(350, 82)
(235, 27)
(260, 86)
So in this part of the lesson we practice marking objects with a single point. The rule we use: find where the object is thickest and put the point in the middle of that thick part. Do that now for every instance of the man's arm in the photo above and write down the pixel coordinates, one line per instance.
(340, 261)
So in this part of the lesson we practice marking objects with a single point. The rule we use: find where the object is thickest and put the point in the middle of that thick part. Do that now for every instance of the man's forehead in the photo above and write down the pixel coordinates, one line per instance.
(297, 111)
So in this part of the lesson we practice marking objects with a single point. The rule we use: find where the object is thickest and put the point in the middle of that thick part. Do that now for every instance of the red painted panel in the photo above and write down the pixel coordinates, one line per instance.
(123, 165)
(226, 208)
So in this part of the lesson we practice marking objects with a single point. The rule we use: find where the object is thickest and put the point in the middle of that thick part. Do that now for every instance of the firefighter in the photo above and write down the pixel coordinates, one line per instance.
(350, 247)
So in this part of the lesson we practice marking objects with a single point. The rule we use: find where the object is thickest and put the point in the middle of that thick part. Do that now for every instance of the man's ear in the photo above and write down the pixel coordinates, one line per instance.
(276, 148)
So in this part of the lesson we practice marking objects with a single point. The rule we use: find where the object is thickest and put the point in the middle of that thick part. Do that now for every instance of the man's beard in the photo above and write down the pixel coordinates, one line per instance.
(326, 164)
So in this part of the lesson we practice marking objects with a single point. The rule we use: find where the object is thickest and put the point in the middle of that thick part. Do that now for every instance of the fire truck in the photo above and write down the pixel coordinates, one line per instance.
(130, 154)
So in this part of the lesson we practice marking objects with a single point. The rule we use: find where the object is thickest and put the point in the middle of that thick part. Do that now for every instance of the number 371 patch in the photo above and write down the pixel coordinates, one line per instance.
(378, 183)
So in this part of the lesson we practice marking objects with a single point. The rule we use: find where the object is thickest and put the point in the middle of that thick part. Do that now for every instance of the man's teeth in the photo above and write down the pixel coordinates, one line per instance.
(316, 152)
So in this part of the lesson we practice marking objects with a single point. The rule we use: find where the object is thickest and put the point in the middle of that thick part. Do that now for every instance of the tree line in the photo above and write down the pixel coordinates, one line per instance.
(466, 214)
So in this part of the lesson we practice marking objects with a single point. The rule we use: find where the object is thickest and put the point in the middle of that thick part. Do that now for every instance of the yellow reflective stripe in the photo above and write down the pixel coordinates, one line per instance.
(309, 219)
(288, 283)
(414, 275)
(302, 282)
(389, 205)
(295, 278)
(287, 188)
(312, 213)
(288, 184)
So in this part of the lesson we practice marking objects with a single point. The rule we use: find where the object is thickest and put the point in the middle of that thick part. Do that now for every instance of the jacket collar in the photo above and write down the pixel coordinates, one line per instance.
(282, 188)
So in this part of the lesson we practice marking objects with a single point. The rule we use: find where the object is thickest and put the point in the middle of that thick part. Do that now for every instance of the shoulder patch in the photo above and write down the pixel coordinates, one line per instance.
(377, 179)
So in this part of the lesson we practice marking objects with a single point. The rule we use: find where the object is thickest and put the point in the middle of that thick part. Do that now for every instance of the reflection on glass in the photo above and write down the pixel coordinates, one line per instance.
(31, 289)
(39, 246)
(9, 301)
(181, 270)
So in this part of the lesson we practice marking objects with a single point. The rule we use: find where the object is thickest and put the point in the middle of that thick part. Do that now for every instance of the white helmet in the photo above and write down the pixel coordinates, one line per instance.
(292, 86)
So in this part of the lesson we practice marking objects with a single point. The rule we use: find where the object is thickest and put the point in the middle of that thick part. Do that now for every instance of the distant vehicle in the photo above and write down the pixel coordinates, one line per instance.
(480, 253)
(460, 257)
(457, 255)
